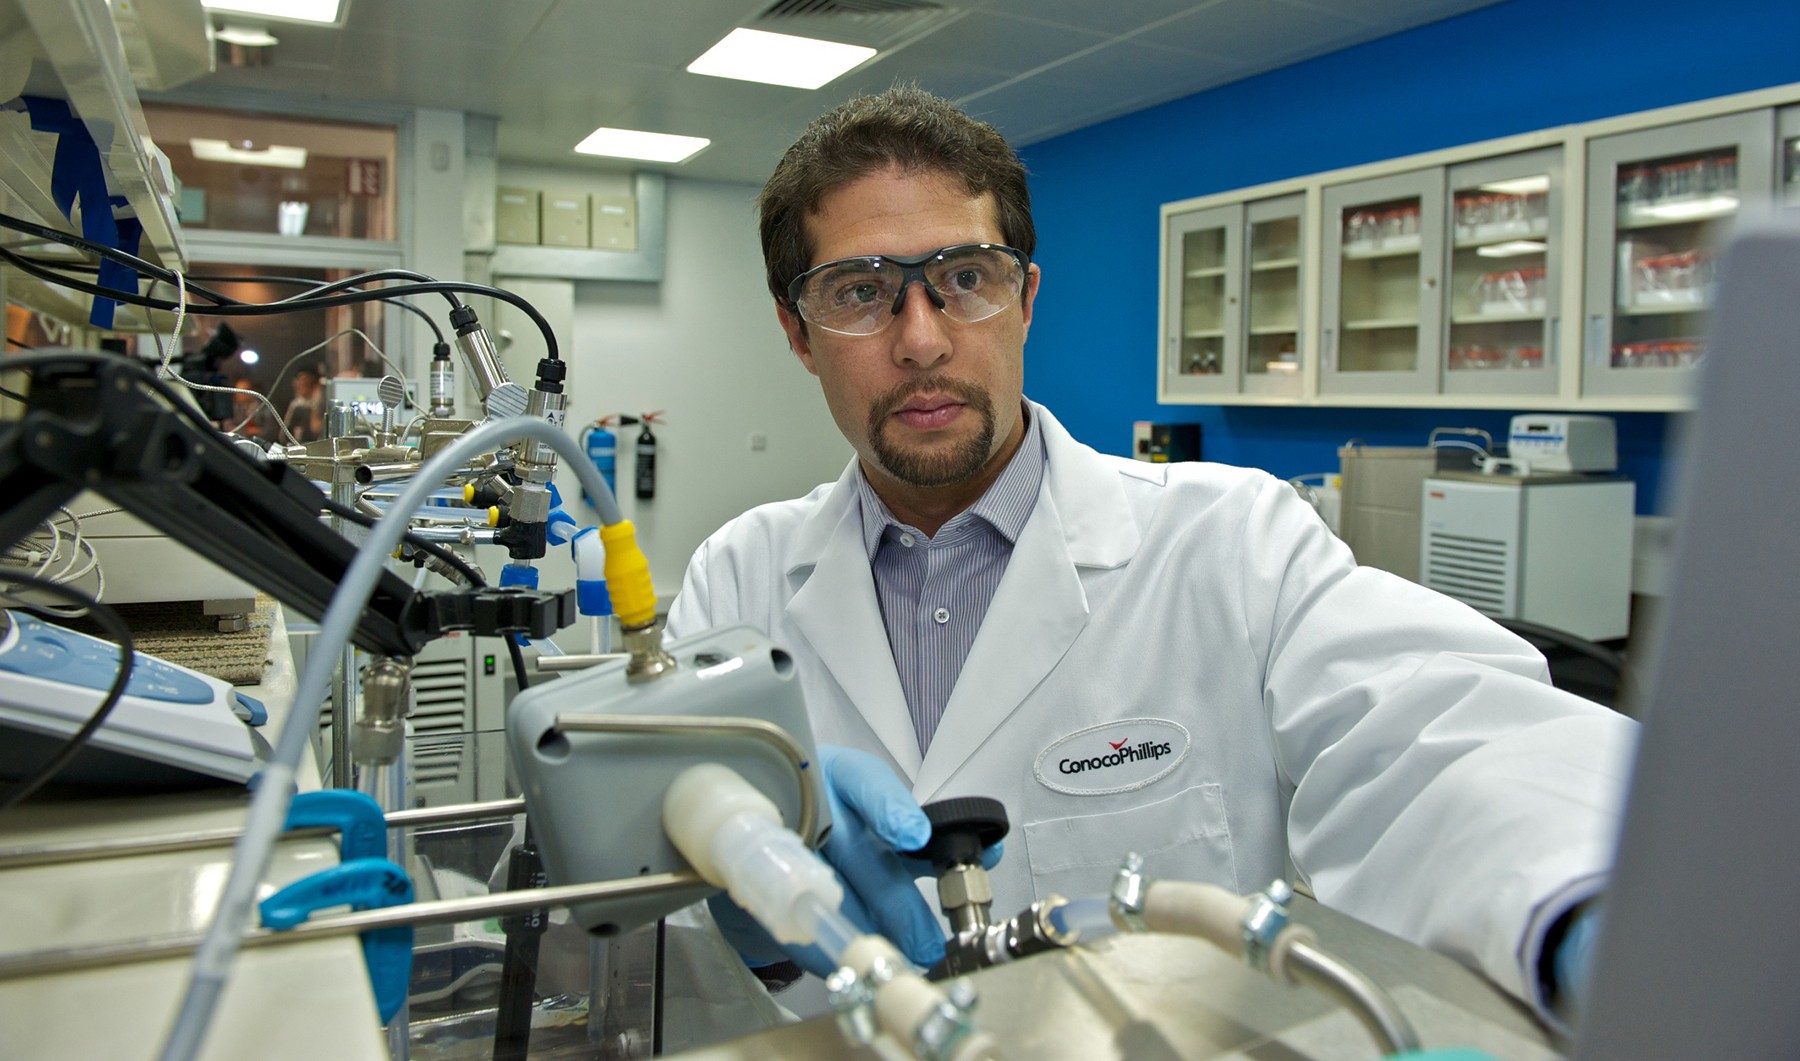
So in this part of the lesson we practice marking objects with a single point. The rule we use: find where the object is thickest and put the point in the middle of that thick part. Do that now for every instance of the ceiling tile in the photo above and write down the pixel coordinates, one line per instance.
(552, 70)
(1112, 19)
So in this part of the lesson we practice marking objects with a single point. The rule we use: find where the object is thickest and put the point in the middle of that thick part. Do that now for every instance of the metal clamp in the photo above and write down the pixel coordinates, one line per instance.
(1264, 923)
(853, 999)
(1128, 893)
(946, 1026)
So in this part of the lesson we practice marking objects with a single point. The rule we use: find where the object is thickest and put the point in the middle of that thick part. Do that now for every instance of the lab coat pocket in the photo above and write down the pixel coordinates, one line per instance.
(1182, 837)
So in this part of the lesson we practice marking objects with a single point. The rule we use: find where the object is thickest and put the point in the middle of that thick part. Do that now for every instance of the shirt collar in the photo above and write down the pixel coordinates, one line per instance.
(1005, 506)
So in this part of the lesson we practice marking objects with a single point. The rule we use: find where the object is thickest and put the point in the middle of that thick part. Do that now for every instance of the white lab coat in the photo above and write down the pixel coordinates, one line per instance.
(1407, 754)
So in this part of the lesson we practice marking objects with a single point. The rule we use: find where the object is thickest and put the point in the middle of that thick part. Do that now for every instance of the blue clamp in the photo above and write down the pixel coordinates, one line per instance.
(357, 817)
(363, 883)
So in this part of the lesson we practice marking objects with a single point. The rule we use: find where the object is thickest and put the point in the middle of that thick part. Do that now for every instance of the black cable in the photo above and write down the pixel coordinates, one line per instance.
(109, 621)
(13, 394)
(448, 556)
(518, 661)
(430, 321)
(289, 305)
(20, 345)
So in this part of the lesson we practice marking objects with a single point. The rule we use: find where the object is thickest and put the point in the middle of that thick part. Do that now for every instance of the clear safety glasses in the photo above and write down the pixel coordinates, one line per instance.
(859, 296)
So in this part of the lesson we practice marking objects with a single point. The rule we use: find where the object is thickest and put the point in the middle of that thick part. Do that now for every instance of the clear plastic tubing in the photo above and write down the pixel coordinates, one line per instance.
(832, 931)
(1091, 918)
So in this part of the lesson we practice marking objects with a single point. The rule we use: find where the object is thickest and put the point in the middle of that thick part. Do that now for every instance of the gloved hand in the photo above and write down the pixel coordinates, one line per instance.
(1573, 959)
(874, 817)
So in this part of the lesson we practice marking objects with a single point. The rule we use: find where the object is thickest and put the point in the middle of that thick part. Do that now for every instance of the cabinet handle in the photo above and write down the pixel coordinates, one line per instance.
(1431, 281)
(1596, 341)
(1330, 351)
(1550, 348)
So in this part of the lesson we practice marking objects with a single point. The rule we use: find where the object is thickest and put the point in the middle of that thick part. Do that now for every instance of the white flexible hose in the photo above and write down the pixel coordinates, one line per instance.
(275, 788)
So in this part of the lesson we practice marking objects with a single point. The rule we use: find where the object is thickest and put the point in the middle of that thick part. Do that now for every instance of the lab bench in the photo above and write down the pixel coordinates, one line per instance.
(300, 1001)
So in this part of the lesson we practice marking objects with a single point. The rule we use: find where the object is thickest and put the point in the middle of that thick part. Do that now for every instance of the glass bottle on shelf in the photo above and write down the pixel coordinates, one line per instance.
(1666, 232)
(1504, 255)
(1660, 202)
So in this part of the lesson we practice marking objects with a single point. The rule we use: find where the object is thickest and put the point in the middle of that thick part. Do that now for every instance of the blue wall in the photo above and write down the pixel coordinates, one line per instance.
(1505, 69)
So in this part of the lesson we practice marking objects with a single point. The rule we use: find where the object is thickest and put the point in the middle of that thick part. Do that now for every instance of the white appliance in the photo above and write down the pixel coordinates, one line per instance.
(1552, 550)
(170, 722)
(1562, 442)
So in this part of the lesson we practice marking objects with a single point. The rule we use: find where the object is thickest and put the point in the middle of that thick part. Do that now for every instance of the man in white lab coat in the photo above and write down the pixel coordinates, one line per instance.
(1177, 660)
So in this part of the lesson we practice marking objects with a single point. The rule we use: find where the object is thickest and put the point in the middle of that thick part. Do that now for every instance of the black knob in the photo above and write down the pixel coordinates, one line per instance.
(961, 828)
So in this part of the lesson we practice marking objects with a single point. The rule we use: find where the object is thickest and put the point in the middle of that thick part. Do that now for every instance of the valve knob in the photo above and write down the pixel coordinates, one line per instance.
(961, 828)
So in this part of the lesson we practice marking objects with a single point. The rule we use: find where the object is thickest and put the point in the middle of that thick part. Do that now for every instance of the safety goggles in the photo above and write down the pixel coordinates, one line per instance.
(859, 296)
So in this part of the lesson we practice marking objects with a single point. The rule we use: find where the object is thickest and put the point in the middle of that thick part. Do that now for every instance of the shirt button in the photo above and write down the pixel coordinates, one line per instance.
(906, 540)
(941, 616)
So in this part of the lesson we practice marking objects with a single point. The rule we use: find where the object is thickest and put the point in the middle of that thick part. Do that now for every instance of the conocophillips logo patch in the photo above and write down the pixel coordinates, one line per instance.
(1113, 756)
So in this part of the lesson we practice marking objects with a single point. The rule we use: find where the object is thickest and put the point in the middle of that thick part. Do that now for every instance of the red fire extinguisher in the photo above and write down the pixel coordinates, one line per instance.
(646, 456)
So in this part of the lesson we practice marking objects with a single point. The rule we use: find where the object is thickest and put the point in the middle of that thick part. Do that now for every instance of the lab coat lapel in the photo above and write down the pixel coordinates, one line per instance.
(1040, 607)
(836, 610)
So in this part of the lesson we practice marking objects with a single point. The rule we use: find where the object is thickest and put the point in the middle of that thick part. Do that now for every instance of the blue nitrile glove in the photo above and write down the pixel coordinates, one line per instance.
(874, 817)
(1573, 961)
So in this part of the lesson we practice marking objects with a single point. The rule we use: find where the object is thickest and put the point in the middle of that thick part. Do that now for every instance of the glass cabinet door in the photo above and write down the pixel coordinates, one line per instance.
(1504, 276)
(1788, 174)
(1273, 333)
(1659, 203)
(1381, 301)
(1202, 317)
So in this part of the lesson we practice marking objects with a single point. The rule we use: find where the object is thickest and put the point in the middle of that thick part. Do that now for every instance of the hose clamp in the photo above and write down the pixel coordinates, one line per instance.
(853, 1000)
(945, 1027)
(1263, 924)
(1128, 892)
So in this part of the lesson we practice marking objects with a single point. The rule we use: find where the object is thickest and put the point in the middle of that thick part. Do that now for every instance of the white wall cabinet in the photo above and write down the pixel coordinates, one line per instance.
(1232, 284)
(1568, 268)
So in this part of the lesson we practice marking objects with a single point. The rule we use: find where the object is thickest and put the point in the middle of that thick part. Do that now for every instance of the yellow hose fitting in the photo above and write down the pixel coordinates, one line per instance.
(628, 576)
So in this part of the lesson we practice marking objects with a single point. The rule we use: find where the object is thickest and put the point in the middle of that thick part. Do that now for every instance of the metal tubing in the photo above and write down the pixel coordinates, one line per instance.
(88, 851)
(719, 726)
(1371, 1005)
(552, 664)
(443, 911)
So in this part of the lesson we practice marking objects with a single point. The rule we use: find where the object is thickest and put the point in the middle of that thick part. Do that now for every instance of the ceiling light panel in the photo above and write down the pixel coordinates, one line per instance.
(275, 155)
(779, 59)
(645, 147)
(322, 11)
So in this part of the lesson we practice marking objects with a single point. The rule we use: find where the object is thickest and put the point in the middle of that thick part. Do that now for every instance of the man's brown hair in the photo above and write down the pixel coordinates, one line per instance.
(906, 127)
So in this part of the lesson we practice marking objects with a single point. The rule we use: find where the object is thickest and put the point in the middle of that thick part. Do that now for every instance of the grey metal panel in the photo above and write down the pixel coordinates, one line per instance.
(1700, 951)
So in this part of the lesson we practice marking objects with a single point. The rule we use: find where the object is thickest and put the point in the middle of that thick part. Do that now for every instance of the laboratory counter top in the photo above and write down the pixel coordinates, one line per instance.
(308, 1000)
(1158, 998)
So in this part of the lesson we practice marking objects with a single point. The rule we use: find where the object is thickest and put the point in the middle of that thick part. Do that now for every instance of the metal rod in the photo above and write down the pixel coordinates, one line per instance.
(716, 725)
(90, 850)
(1371, 1005)
(578, 662)
(55, 960)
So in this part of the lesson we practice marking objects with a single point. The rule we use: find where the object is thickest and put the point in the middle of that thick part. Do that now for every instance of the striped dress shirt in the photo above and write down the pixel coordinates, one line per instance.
(934, 591)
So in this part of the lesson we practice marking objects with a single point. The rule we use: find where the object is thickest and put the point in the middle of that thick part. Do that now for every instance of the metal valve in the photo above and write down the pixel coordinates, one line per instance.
(961, 829)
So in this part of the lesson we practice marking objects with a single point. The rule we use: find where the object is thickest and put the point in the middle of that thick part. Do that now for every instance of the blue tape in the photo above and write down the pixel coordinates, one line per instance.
(76, 173)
